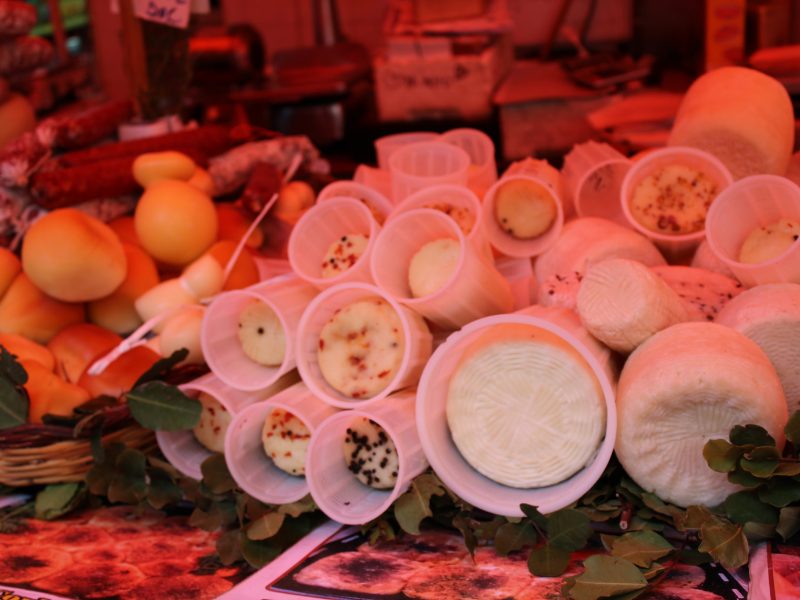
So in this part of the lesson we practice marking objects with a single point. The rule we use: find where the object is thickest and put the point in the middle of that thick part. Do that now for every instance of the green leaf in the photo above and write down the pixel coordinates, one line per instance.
(162, 367)
(788, 522)
(792, 428)
(641, 547)
(758, 532)
(568, 529)
(744, 479)
(721, 456)
(534, 515)
(463, 523)
(219, 514)
(514, 536)
(266, 526)
(725, 542)
(780, 492)
(10, 369)
(295, 509)
(787, 469)
(55, 500)
(689, 556)
(229, 547)
(744, 507)
(653, 571)
(128, 482)
(745, 435)
(14, 405)
(259, 552)
(548, 561)
(414, 506)
(162, 490)
(606, 576)
(761, 462)
(657, 505)
(486, 531)
(161, 407)
(216, 475)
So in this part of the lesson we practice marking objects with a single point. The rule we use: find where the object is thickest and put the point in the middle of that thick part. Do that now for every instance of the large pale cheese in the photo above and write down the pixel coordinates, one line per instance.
(686, 385)
(704, 292)
(741, 116)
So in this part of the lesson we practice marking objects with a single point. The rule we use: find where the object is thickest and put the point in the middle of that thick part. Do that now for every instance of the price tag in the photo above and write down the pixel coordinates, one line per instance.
(198, 7)
(174, 13)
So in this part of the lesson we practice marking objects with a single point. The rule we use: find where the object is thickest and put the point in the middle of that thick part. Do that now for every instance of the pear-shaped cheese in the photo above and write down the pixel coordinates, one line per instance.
(686, 385)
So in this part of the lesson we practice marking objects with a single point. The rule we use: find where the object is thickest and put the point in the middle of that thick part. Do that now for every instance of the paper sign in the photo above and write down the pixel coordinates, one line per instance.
(198, 7)
(174, 13)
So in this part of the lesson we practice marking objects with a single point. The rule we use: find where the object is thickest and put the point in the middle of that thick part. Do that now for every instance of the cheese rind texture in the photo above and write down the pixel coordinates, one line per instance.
(686, 385)
(704, 292)
(526, 411)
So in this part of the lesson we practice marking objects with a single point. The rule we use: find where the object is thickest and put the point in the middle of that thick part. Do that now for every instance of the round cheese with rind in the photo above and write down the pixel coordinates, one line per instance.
(432, 266)
(769, 241)
(261, 334)
(213, 425)
(370, 454)
(686, 385)
(285, 439)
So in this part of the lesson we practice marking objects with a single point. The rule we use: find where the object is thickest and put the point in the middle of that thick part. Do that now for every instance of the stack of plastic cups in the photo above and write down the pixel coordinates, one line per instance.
(335, 488)
(675, 247)
(593, 175)
(322, 226)
(379, 205)
(181, 448)
(743, 207)
(548, 179)
(446, 460)
(425, 164)
(479, 146)
(417, 347)
(474, 290)
(376, 179)
(389, 144)
(518, 272)
(287, 296)
(247, 460)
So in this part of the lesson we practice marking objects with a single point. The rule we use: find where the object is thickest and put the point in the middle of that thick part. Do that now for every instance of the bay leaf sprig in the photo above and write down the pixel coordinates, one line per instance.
(14, 402)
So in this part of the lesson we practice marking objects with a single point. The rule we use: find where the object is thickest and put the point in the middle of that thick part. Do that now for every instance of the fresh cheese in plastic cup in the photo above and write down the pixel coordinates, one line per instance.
(480, 147)
(423, 260)
(476, 414)
(389, 144)
(248, 335)
(220, 403)
(332, 242)
(753, 228)
(417, 166)
(356, 345)
(376, 179)
(666, 195)
(378, 203)
(593, 174)
(283, 423)
(384, 436)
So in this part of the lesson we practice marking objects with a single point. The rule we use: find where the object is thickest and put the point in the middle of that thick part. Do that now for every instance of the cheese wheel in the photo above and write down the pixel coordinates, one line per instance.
(770, 316)
(285, 440)
(524, 408)
(343, 254)
(622, 303)
(261, 334)
(703, 292)
(213, 425)
(769, 241)
(742, 116)
(524, 208)
(686, 385)
(704, 258)
(370, 454)
(432, 266)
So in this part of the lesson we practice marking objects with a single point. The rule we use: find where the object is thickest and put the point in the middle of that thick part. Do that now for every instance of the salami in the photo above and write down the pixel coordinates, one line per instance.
(16, 17)
(89, 126)
(24, 54)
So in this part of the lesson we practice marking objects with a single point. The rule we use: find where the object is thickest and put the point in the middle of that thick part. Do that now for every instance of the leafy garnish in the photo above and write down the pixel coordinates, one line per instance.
(414, 506)
(161, 368)
(161, 407)
(14, 403)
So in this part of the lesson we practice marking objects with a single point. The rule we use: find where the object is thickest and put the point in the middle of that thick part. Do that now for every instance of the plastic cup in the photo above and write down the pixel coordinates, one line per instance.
(480, 147)
(378, 203)
(509, 245)
(287, 296)
(746, 205)
(455, 195)
(518, 272)
(417, 166)
(181, 448)
(249, 465)
(675, 246)
(389, 144)
(335, 489)
(271, 267)
(376, 179)
(417, 336)
(593, 175)
(443, 454)
(322, 226)
(474, 290)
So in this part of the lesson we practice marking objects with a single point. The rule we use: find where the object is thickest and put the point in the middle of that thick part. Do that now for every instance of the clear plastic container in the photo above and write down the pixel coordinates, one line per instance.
(417, 166)
(378, 203)
(389, 144)
(593, 175)
(480, 147)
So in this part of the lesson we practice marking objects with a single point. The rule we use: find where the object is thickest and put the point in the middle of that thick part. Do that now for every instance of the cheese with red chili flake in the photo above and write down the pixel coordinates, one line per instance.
(673, 200)
(770, 241)
(285, 439)
(214, 421)
(370, 454)
(343, 254)
(361, 348)
(460, 214)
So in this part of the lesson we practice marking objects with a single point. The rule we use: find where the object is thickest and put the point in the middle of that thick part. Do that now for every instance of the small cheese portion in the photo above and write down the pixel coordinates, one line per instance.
(285, 439)
(213, 425)
(770, 241)
(525, 409)
(524, 209)
(673, 200)
(704, 292)
(463, 216)
(343, 254)
(370, 454)
(261, 334)
(432, 266)
(361, 348)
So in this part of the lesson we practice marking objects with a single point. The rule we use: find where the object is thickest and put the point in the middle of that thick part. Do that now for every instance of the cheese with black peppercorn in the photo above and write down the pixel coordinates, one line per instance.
(704, 292)
(213, 425)
(343, 254)
(261, 334)
(361, 348)
(460, 214)
(371, 454)
(285, 439)
(770, 241)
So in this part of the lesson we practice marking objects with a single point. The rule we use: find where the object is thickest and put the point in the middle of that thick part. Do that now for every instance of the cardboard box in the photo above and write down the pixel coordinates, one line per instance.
(427, 11)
